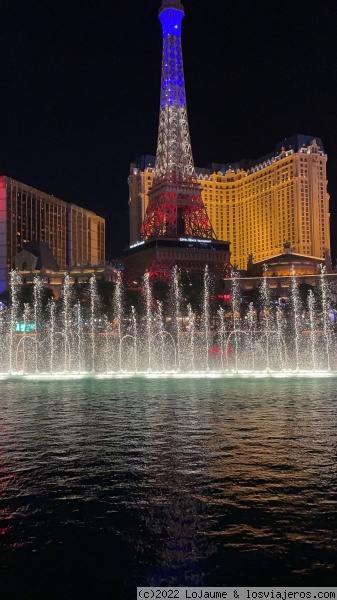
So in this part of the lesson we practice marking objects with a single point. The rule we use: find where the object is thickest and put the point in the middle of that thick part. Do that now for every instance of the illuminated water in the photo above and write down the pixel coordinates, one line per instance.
(72, 337)
(106, 484)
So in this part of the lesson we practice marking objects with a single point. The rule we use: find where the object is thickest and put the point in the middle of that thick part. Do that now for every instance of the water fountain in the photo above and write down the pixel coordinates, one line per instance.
(177, 312)
(296, 305)
(191, 330)
(68, 338)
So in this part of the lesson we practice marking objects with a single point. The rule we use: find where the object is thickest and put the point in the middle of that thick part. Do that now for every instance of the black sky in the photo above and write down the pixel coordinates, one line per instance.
(80, 85)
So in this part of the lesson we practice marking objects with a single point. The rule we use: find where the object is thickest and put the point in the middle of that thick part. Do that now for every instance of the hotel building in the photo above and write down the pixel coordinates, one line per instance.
(75, 236)
(257, 205)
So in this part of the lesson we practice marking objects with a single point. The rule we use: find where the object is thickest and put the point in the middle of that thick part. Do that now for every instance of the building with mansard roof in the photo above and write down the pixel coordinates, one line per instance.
(257, 205)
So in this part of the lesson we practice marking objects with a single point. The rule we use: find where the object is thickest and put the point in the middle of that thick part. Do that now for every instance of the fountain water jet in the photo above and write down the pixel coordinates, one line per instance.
(93, 307)
(252, 326)
(38, 289)
(235, 316)
(311, 306)
(52, 331)
(66, 314)
(73, 338)
(118, 314)
(267, 309)
(324, 290)
(79, 322)
(222, 336)
(296, 303)
(191, 332)
(148, 317)
(134, 334)
(14, 283)
(177, 313)
(206, 314)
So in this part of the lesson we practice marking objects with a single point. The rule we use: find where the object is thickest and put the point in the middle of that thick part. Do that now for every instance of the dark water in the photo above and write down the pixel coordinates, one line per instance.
(106, 485)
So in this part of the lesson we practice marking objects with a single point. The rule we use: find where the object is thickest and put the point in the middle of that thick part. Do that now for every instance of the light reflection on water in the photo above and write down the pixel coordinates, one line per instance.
(106, 484)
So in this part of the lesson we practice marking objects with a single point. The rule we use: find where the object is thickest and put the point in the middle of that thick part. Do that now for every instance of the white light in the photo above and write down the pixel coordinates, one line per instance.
(194, 240)
(137, 244)
(170, 374)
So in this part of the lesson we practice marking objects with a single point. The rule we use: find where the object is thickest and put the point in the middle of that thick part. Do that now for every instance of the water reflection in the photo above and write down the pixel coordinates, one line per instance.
(192, 482)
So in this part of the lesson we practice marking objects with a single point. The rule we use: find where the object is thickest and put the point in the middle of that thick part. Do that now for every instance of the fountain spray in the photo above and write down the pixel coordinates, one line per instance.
(148, 315)
(134, 334)
(66, 317)
(206, 314)
(177, 310)
(325, 299)
(236, 314)
(191, 331)
(38, 290)
(93, 306)
(14, 282)
(222, 334)
(118, 314)
(311, 306)
(296, 304)
(267, 314)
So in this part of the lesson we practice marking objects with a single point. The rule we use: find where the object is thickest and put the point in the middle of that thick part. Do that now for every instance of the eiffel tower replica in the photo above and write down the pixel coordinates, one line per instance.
(176, 229)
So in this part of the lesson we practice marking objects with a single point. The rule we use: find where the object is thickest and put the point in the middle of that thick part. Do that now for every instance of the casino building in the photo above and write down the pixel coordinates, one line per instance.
(258, 205)
(75, 236)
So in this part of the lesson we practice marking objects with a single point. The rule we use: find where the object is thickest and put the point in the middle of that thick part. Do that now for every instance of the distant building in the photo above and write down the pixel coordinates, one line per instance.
(75, 236)
(86, 237)
(282, 271)
(281, 286)
(35, 256)
(160, 255)
(37, 260)
(256, 205)
(282, 264)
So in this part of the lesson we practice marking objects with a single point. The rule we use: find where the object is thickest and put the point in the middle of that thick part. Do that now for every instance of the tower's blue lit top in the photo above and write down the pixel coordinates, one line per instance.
(174, 153)
(171, 13)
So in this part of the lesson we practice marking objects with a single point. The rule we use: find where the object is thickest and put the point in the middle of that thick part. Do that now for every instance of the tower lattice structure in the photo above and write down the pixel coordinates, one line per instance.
(175, 206)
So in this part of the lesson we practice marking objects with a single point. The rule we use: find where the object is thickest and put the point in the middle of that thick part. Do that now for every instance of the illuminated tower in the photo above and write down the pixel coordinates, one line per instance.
(176, 230)
(175, 206)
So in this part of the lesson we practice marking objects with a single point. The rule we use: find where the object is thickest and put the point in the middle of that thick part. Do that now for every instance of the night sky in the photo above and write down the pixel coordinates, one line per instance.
(80, 86)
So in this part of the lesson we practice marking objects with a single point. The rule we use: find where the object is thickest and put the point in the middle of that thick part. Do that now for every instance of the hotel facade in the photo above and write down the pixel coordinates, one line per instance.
(76, 236)
(256, 205)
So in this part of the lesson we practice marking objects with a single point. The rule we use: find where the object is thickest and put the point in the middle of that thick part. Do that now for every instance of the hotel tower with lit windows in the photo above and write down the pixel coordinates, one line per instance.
(76, 236)
(256, 205)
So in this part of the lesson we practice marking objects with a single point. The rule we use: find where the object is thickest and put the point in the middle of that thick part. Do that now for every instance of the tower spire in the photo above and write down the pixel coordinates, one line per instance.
(175, 206)
(174, 152)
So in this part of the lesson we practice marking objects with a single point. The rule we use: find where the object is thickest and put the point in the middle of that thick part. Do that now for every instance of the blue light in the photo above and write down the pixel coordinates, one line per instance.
(170, 19)
(172, 84)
